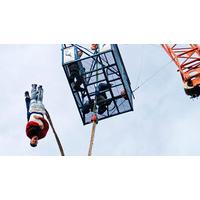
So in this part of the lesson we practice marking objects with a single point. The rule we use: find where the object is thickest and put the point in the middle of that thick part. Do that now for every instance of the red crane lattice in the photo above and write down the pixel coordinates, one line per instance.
(187, 58)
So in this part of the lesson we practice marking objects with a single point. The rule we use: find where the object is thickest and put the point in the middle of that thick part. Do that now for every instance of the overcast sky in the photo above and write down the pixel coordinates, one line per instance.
(164, 121)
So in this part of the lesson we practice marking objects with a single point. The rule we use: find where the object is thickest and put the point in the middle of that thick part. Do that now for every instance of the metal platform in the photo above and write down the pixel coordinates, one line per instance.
(97, 67)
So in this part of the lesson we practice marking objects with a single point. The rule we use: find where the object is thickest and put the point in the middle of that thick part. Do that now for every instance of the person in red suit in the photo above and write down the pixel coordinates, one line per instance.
(37, 126)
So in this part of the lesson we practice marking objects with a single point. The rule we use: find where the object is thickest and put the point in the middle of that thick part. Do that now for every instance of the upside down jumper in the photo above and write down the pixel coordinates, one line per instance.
(37, 126)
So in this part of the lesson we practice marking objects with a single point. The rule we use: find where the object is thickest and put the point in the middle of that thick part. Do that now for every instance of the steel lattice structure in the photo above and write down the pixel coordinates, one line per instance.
(187, 58)
(102, 66)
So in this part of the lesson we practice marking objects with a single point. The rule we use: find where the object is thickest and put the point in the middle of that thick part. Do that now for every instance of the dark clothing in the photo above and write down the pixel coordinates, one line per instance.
(76, 71)
(104, 86)
(102, 101)
(28, 100)
(102, 97)
(102, 109)
(88, 106)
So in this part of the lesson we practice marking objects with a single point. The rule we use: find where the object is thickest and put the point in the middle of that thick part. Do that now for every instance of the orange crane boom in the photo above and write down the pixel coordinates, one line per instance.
(187, 58)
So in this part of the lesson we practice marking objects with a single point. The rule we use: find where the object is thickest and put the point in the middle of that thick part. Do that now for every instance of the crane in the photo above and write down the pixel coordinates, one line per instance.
(187, 58)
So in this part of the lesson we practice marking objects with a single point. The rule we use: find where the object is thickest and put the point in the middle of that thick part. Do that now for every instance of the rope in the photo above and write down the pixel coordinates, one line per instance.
(152, 76)
(92, 138)
(55, 134)
(94, 118)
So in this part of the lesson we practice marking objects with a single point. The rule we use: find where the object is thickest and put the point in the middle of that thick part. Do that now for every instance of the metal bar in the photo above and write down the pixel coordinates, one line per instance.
(116, 79)
(92, 67)
(111, 92)
(103, 66)
(198, 59)
(99, 119)
(73, 94)
(122, 78)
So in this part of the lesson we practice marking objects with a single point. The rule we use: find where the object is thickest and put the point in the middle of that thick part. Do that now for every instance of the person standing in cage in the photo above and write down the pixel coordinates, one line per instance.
(101, 99)
(37, 126)
(76, 71)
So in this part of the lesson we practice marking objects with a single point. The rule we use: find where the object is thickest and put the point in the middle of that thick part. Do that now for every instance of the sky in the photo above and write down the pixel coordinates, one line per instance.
(164, 120)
